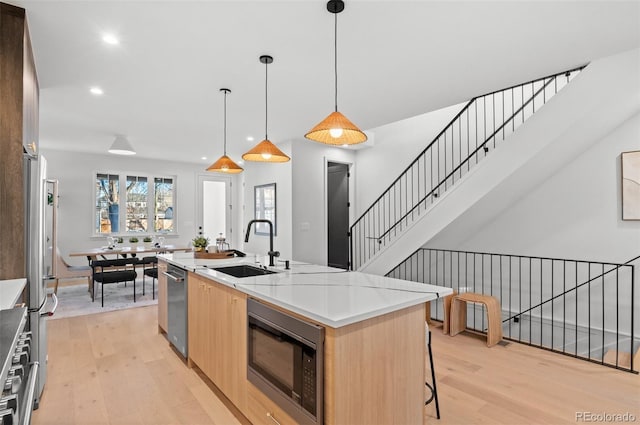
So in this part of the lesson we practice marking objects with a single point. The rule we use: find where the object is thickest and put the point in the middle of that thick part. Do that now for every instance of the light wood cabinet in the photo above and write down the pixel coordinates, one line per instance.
(218, 335)
(373, 370)
(199, 322)
(163, 317)
(262, 411)
(230, 336)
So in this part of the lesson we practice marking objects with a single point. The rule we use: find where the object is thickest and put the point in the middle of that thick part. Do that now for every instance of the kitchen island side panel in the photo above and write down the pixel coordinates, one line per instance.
(374, 370)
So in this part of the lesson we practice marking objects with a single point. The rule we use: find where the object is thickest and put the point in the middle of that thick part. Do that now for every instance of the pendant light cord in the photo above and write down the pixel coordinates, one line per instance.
(225, 123)
(266, 104)
(335, 57)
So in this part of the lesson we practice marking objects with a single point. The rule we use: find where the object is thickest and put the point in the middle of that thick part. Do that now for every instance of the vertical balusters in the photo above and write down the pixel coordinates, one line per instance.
(603, 317)
(589, 309)
(552, 303)
(576, 319)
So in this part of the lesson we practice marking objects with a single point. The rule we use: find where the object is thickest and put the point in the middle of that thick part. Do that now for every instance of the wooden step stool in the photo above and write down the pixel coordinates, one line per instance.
(459, 315)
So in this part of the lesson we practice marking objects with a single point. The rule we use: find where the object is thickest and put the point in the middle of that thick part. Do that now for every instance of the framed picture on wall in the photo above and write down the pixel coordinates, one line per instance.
(630, 185)
(265, 207)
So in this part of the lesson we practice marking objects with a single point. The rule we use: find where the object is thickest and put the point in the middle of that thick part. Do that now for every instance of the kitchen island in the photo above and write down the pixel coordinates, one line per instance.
(374, 340)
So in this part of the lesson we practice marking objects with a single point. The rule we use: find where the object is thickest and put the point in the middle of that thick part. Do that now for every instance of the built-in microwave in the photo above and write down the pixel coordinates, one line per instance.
(285, 361)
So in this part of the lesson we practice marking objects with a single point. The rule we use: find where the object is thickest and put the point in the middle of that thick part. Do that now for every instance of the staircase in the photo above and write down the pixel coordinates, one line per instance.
(489, 154)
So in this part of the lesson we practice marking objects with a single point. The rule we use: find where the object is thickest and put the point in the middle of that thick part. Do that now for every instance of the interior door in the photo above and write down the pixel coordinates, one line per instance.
(338, 215)
(214, 207)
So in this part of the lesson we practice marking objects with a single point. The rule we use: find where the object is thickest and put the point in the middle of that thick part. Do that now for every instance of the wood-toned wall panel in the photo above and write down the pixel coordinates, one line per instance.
(12, 30)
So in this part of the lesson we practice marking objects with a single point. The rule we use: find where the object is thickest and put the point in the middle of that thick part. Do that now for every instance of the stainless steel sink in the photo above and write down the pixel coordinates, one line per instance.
(243, 270)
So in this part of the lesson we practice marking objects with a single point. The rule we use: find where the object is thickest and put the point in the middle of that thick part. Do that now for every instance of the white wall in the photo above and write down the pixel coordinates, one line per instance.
(259, 173)
(309, 192)
(75, 172)
(396, 145)
(575, 213)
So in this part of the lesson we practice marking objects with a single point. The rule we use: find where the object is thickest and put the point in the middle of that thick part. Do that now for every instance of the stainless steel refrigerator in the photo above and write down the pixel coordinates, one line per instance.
(40, 200)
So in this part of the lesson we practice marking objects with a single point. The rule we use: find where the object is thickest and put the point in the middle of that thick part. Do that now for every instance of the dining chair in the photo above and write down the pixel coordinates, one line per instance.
(113, 271)
(66, 271)
(150, 268)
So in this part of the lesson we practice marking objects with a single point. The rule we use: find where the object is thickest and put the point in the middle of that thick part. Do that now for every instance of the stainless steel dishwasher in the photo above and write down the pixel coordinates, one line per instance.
(177, 308)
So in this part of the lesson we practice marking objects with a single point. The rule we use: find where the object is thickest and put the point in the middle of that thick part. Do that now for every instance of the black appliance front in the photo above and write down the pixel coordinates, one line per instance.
(285, 361)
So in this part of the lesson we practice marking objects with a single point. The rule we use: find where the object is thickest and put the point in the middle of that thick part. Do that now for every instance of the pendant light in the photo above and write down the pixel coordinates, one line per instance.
(121, 146)
(336, 129)
(265, 151)
(225, 164)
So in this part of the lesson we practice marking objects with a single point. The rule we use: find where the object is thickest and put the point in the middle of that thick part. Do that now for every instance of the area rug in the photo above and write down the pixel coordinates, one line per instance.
(75, 300)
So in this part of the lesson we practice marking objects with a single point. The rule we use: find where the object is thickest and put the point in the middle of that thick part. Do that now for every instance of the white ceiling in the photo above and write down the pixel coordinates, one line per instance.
(397, 59)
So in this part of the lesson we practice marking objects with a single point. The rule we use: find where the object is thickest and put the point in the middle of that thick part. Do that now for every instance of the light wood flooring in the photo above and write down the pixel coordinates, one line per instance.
(114, 368)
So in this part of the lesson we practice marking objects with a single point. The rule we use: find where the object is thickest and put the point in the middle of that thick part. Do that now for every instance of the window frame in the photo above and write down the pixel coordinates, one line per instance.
(122, 197)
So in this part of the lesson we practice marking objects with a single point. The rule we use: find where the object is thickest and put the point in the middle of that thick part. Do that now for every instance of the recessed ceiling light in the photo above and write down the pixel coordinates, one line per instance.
(204, 157)
(96, 90)
(240, 162)
(345, 146)
(110, 39)
(250, 139)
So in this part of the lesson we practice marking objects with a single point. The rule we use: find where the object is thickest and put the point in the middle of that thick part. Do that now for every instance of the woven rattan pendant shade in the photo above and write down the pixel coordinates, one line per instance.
(265, 151)
(336, 129)
(351, 134)
(225, 165)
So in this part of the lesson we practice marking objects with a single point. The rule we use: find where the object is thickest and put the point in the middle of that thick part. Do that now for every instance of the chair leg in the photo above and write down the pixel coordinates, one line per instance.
(102, 291)
(143, 282)
(153, 288)
(434, 389)
(134, 290)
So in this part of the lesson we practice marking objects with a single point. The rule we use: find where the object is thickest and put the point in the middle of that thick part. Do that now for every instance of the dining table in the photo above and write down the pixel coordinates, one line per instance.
(93, 253)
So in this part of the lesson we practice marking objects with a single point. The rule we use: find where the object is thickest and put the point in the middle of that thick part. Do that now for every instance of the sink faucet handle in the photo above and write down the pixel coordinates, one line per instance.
(286, 264)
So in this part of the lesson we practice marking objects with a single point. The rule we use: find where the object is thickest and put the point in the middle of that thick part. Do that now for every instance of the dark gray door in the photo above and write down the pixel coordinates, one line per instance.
(338, 215)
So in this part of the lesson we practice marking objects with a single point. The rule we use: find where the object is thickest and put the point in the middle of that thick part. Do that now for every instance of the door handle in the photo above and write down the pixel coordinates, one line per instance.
(55, 307)
(174, 278)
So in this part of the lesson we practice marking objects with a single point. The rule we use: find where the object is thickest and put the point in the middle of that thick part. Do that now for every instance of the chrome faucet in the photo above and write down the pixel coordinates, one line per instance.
(271, 253)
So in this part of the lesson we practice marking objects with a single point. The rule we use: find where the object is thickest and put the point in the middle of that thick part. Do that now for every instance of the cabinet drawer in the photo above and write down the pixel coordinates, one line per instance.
(262, 411)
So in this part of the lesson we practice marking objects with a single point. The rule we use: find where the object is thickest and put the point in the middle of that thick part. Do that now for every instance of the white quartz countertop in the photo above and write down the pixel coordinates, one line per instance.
(333, 297)
(10, 291)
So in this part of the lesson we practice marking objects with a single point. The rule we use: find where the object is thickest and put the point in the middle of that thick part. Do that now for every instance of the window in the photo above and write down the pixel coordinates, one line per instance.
(107, 195)
(137, 193)
(163, 204)
(265, 207)
(139, 200)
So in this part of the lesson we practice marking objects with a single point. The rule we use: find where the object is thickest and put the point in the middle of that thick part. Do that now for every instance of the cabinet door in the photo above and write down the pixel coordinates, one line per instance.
(197, 317)
(228, 338)
(163, 318)
(235, 359)
(262, 411)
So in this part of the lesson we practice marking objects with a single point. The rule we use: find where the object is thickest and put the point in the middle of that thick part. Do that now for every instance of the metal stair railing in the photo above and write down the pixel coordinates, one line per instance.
(468, 138)
(580, 308)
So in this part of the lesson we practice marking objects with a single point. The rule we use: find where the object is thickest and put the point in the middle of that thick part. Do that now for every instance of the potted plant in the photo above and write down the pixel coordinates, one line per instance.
(200, 243)
(148, 241)
(133, 240)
